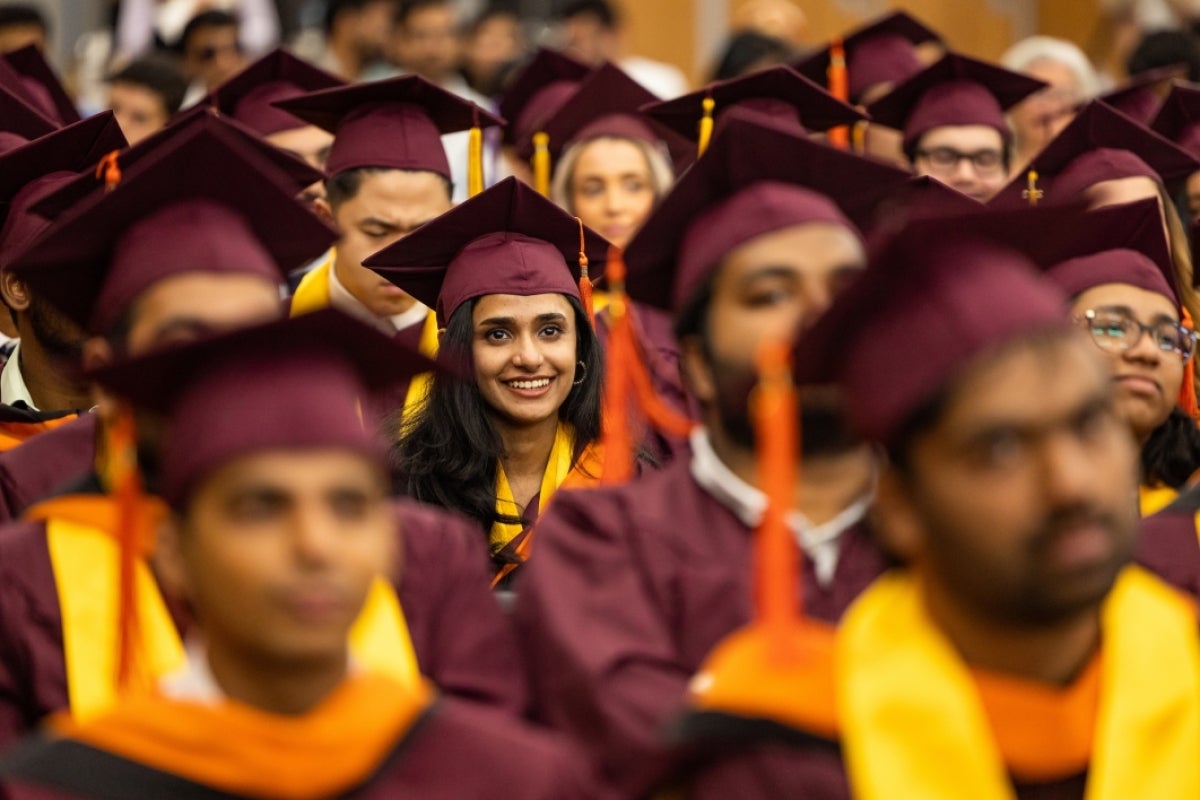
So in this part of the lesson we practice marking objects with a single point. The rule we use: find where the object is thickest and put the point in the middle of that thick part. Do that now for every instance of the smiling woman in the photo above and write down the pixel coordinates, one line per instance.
(501, 271)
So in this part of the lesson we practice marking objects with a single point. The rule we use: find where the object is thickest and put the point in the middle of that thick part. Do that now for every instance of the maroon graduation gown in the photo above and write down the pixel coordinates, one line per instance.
(463, 642)
(454, 751)
(1168, 545)
(44, 464)
(628, 590)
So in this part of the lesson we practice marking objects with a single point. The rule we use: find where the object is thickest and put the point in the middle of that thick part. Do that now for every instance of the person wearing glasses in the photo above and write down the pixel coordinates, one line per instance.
(952, 118)
(1123, 293)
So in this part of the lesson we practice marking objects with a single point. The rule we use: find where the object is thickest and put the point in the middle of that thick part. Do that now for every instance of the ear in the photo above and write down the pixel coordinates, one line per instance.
(97, 353)
(169, 564)
(696, 372)
(324, 211)
(14, 292)
(895, 519)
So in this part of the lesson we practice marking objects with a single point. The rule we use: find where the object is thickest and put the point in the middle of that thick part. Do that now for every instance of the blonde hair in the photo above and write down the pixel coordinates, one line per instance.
(662, 175)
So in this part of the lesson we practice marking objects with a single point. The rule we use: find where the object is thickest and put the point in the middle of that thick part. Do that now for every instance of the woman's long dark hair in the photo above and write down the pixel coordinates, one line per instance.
(1172, 453)
(447, 453)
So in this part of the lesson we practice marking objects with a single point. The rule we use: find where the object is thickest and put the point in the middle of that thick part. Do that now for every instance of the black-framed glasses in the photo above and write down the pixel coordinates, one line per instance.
(1117, 331)
(947, 158)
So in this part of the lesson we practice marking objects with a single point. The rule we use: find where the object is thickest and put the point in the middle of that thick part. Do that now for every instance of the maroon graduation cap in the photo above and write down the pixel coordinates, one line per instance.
(607, 103)
(543, 84)
(203, 202)
(778, 96)
(20, 122)
(296, 171)
(31, 171)
(1179, 118)
(396, 123)
(287, 385)
(42, 84)
(936, 296)
(507, 240)
(752, 180)
(249, 96)
(956, 90)
(1100, 144)
(879, 52)
(1141, 98)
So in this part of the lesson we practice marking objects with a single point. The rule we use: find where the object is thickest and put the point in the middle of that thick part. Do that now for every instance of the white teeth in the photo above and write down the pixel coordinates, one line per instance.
(541, 383)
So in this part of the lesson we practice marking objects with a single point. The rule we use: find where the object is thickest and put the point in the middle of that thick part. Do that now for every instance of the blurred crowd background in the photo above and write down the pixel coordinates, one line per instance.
(145, 59)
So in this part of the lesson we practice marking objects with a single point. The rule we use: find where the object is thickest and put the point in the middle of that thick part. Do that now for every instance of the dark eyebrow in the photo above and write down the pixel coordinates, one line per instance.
(380, 222)
(552, 316)
(1093, 403)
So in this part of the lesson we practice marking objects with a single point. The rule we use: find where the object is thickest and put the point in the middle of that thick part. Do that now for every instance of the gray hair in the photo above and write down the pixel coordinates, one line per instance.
(1025, 53)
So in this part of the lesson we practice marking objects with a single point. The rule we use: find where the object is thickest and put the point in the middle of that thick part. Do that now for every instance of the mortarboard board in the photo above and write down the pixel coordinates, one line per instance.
(507, 240)
(33, 170)
(291, 384)
(752, 180)
(543, 84)
(606, 103)
(1115, 244)
(1179, 118)
(249, 96)
(204, 202)
(922, 197)
(779, 96)
(1139, 98)
(297, 172)
(956, 90)
(20, 122)
(1100, 144)
(882, 51)
(937, 295)
(396, 123)
(39, 81)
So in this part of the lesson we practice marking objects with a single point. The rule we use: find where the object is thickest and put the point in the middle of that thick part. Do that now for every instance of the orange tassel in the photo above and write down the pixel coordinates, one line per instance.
(109, 170)
(1187, 390)
(839, 87)
(776, 561)
(541, 163)
(585, 282)
(134, 537)
(706, 124)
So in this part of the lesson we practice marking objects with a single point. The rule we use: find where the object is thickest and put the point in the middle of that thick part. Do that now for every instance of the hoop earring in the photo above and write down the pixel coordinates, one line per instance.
(582, 377)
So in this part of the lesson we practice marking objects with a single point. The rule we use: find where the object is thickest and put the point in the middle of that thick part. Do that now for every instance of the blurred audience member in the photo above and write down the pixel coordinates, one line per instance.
(22, 24)
(145, 94)
(1166, 49)
(593, 31)
(425, 41)
(1073, 81)
(779, 19)
(357, 33)
(143, 25)
(750, 51)
(210, 51)
(493, 44)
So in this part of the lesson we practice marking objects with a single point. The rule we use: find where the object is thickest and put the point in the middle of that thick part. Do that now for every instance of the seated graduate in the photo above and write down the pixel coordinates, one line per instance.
(279, 535)
(503, 272)
(1017, 654)
(632, 585)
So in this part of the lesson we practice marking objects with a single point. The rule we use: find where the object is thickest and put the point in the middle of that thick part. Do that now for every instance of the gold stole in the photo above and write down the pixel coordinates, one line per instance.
(85, 559)
(557, 469)
(914, 725)
(313, 294)
(1152, 499)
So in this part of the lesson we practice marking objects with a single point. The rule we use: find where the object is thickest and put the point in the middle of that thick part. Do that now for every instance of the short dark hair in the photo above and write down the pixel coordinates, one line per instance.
(746, 48)
(343, 186)
(205, 19)
(159, 75)
(336, 8)
(15, 14)
(604, 12)
(1166, 49)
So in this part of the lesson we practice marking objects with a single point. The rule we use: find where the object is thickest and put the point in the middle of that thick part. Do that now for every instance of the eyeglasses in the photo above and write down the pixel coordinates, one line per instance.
(1117, 331)
(947, 158)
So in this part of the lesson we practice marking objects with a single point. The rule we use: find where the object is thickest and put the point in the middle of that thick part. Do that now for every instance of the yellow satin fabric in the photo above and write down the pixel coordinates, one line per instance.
(914, 726)
(557, 470)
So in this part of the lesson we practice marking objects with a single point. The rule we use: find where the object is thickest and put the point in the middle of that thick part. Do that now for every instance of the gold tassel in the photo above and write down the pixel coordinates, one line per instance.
(541, 163)
(475, 158)
(1032, 193)
(706, 124)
